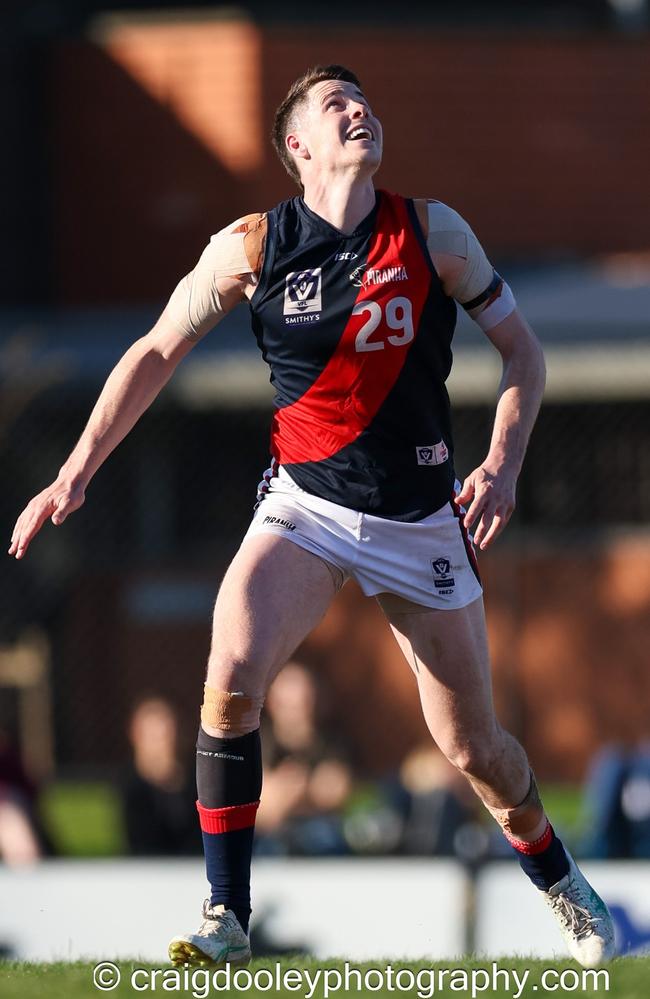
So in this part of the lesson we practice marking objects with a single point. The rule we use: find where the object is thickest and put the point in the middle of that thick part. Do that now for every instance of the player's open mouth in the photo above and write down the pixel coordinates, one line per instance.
(360, 132)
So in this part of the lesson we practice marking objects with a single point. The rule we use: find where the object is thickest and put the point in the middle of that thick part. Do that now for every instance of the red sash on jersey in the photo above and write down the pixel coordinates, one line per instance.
(348, 393)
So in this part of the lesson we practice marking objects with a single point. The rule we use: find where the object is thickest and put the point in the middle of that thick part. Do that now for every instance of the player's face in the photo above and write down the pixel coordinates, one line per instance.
(337, 129)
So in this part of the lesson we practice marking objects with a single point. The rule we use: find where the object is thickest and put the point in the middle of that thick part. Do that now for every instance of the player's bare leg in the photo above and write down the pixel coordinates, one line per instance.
(272, 596)
(448, 652)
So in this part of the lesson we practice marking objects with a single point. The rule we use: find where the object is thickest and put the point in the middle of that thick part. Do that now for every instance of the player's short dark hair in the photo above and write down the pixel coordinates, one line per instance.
(297, 94)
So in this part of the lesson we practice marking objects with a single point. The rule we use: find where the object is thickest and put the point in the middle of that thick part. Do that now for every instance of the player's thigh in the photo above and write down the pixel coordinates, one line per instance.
(273, 594)
(448, 652)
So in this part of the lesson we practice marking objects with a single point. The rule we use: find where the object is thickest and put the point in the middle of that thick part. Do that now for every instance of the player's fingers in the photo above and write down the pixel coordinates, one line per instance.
(66, 505)
(488, 512)
(480, 529)
(61, 511)
(17, 538)
(467, 491)
(495, 528)
(474, 510)
(21, 543)
(15, 534)
(30, 523)
(30, 529)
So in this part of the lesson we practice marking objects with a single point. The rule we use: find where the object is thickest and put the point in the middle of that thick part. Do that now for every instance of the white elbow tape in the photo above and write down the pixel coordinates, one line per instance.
(499, 306)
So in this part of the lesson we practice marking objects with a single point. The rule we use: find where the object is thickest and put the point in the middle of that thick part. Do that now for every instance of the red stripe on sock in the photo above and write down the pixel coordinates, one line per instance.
(537, 846)
(221, 820)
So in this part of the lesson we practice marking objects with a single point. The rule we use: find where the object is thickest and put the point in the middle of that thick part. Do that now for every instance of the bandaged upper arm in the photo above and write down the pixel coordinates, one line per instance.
(478, 287)
(206, 294)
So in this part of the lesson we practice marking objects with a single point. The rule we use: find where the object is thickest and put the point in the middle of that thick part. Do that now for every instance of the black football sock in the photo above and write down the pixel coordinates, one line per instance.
(229, 784)
(544, 861)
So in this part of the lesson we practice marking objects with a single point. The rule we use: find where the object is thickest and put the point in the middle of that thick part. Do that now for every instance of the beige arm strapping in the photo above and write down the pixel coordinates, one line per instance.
(232, 258)
(448, 232)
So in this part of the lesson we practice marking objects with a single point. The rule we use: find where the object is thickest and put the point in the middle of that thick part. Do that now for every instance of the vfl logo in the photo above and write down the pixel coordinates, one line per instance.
(302, 295)
(442, 581)
(433, 454)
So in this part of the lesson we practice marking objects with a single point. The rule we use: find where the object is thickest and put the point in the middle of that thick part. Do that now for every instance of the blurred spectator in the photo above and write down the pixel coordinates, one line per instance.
(617, 798)
(22, 840)
(159, 792)
(439, 815)
(307, 777)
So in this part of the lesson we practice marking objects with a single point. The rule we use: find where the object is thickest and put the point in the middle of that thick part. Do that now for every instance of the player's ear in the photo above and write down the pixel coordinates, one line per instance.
(297, 146)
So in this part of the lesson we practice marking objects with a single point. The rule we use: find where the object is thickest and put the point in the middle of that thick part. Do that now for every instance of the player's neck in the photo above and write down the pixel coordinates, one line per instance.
(342, 203)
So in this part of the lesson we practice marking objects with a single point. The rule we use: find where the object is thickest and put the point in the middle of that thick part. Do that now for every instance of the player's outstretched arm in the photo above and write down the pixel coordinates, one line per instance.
(490, 489)
(224, 275)
(131, 387)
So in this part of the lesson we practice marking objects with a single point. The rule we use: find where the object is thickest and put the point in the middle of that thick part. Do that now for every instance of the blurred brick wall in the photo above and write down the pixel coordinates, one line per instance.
(160, 137)
(540, 142)
(156, 130)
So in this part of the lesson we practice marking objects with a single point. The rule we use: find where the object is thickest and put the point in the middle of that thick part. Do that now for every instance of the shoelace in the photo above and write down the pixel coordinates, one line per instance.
(210, 918)
(575, 917)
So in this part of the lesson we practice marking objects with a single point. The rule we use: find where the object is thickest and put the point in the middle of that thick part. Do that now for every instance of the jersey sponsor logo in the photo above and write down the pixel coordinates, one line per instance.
(348, 255)
(356, 276)
(279, 522)
(432, 454)
(364, 276)
(443, 581)
(384, 275)
(302, 296)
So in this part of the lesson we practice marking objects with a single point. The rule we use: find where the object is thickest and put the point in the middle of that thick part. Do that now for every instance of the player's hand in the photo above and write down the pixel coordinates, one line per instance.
(55, 502)
(491, 499)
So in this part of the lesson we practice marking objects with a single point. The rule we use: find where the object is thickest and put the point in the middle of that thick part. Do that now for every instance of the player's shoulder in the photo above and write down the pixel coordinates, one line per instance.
(436, 216)
(239, 245)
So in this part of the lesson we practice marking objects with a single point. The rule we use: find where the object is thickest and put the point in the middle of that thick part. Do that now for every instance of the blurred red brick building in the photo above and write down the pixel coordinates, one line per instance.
(161, 137)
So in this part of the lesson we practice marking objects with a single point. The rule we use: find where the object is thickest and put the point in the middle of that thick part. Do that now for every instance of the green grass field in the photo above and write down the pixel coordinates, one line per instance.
(628, 978)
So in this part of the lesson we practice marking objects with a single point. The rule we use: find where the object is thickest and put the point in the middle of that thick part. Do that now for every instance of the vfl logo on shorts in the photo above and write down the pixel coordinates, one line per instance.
(302, 296)
(443, 581)
(432, 454)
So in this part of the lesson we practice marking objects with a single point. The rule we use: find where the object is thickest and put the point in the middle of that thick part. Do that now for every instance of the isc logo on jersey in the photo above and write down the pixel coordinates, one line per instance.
(302, 297)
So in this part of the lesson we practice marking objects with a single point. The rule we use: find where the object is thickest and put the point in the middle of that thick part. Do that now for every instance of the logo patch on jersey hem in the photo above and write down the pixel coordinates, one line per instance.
(302, 296)
(432, 454)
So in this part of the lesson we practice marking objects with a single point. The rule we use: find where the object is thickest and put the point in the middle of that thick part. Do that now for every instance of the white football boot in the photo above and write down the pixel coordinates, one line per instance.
(218, 941)
(584, 919)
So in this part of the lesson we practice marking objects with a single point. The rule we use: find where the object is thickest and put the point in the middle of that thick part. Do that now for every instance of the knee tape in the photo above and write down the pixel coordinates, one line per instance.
(525, 818)
(229, 712)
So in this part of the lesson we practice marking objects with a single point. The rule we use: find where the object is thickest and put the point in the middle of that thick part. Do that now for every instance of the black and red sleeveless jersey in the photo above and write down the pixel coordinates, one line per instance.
(357, 331)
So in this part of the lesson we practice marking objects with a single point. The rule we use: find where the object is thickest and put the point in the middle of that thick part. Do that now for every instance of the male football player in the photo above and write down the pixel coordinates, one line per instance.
(352, 293)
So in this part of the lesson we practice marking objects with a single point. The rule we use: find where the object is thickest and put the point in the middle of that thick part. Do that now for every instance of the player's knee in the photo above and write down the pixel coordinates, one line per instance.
(230, 713)
(476, 758)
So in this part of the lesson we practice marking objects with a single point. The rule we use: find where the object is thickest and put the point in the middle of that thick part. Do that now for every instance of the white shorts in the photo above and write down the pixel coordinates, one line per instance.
(430, 562)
